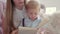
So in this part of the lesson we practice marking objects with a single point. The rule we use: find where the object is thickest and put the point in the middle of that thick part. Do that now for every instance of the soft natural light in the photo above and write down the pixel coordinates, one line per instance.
(50, 10)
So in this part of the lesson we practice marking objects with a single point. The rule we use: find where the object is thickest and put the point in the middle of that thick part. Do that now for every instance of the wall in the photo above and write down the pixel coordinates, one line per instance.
(51, 3)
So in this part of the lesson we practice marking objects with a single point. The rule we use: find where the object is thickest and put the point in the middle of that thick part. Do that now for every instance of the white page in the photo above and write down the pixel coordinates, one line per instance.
(27, 30)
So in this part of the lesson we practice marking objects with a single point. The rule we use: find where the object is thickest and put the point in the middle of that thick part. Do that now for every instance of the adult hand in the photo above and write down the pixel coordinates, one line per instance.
(41, 31)
(15, 31)
(45, 31)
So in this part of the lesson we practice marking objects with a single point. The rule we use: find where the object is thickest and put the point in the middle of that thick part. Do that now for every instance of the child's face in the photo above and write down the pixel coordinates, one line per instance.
(32, 13)
(18, 3)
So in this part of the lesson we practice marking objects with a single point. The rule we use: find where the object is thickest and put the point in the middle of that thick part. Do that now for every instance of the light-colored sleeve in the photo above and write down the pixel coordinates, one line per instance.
(43, 22)
(49, 28)
(16, 20)
(47, 25)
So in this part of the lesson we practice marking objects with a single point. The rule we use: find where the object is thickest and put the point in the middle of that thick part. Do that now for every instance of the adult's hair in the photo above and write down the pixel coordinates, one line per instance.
(8, 21)
(55, 21)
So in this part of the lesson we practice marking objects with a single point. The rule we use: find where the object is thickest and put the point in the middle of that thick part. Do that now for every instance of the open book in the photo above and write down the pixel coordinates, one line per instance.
(27, 30)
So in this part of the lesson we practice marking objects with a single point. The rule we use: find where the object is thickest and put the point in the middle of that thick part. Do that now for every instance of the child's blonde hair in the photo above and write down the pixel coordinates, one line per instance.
(33, 5)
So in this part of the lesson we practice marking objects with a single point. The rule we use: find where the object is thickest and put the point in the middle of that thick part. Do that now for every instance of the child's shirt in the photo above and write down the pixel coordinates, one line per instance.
(29, 23)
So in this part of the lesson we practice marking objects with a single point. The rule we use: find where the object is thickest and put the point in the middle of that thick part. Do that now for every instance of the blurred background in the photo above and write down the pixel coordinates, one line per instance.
(51, 5)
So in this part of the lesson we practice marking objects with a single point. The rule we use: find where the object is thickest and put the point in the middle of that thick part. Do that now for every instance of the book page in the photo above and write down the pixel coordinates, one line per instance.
(27, 30)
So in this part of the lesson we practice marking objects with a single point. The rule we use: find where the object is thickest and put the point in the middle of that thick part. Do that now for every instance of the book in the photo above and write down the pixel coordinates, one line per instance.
(27, 30)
